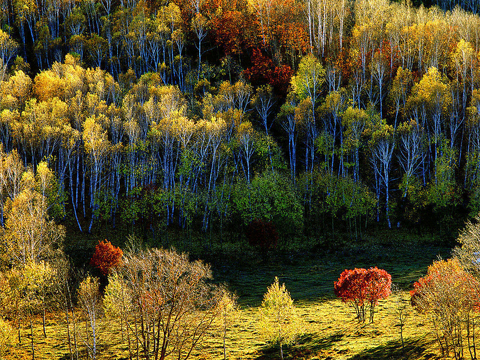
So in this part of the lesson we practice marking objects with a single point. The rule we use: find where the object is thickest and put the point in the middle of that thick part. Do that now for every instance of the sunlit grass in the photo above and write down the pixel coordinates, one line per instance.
(330, 330)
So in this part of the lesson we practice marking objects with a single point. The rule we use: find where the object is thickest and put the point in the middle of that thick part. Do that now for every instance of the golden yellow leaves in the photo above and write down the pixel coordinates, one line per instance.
(309, 78)
(279, 321)
(29, 235)
(15, 91)
(95, 138)
(48, 85)
(8, 48)
(431, 91)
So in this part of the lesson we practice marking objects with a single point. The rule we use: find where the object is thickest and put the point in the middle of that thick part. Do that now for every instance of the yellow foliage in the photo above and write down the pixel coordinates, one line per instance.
(279, 322)
(15, 91)
(117, 301)
(94, 137)
(29, 235)
(7, 334)
(48, 85)
(432, 91)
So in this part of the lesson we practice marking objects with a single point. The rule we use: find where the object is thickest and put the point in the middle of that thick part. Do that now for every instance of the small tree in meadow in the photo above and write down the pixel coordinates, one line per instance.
(401, 312)
(228, 309)
(363, 288)
(117, 301)
(468, 253)
(7, 333)
(167, 303)
(90, 301)
(279, 322)
(106, 257)
(63, 300)
(23, 294)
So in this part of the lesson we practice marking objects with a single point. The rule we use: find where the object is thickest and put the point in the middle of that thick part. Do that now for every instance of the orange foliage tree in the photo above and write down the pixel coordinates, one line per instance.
(231, 25)
(450, 298)
(106, 257)
(228, 31)
(364, 288)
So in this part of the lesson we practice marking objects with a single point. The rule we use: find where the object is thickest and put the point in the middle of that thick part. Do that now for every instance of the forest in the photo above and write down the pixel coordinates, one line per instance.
(249, 131)
(205, 116)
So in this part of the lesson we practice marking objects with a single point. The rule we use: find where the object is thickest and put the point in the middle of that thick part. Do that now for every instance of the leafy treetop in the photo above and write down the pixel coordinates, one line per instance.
(106, 257)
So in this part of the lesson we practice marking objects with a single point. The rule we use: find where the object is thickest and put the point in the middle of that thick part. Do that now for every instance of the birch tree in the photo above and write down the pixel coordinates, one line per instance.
(172, 303)
(279, 322)
(8, 49)
(90, 301)
(29, 233)
(97, 147)
(381, 145)
(412, 143)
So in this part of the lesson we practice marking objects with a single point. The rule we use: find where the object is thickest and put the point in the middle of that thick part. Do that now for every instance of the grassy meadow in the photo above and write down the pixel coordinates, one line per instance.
(330, 330)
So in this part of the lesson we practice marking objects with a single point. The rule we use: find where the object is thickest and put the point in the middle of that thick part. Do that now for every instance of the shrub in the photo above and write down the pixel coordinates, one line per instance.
(363, 288)
(468, 253)
(106, 257)
(262, 234)
(449, 296)
(270, 196)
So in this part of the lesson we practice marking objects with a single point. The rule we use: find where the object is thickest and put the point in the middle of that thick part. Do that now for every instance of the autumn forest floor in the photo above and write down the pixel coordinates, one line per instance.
(330, 330)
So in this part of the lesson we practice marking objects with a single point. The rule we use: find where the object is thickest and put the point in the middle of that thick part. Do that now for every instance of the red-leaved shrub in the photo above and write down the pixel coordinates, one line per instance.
(106, 257)
(363, 288)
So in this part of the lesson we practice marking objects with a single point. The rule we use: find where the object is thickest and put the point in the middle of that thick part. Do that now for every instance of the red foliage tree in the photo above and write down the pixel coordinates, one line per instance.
(262, 234)
(263, 70)
(364, 288)
(106, 257)
(280, 79)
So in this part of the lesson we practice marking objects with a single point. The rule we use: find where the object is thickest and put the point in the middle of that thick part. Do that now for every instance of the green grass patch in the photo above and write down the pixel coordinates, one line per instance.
(330, 330)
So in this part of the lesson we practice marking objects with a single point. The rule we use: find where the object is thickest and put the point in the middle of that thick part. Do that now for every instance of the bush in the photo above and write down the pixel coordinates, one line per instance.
(364, 288)
(450, 297)
(262, 234)
(106, 257)
(468, 253)
(271, 197)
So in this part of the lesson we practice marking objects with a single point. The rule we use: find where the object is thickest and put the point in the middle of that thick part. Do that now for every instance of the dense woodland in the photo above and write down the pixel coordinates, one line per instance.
(206, 115)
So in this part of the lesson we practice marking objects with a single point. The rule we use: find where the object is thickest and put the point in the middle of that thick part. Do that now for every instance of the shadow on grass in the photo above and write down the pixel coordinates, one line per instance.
(413, 350)
(306, 345)
(309, 277)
